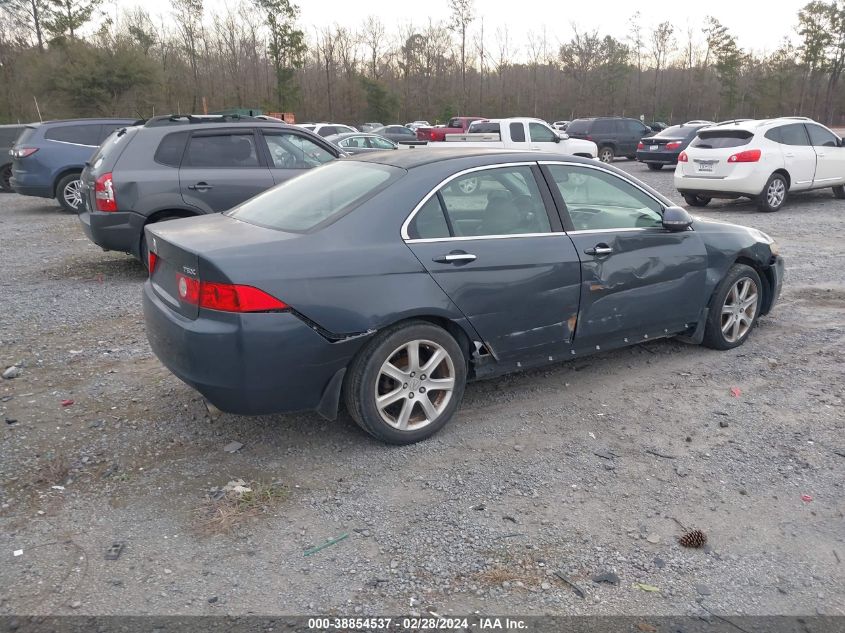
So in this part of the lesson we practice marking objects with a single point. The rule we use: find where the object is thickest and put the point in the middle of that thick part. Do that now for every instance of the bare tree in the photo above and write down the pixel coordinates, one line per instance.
(463, 17)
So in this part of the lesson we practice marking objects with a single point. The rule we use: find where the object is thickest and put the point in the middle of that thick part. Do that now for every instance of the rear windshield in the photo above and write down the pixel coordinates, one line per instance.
(116, 139)
(579, 126)
(317, 197)
(677, 131)
(718, 139)
(484, 127)
(8, 135)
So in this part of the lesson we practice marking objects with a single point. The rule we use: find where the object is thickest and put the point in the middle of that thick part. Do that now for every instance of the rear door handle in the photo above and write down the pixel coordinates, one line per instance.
(599, 249)
(454, 258)
(200, 186)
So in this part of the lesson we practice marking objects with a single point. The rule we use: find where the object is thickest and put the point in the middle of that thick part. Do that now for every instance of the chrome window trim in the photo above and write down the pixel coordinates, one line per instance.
(606, 171)
(443, 183)
(623, 230)
(69, 143)
(465, 238)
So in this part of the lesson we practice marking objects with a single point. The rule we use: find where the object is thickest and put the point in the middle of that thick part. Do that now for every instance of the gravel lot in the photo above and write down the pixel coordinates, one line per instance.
(581, 468)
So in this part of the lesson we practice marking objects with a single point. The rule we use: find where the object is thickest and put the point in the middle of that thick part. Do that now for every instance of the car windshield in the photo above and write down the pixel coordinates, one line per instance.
(317, 197)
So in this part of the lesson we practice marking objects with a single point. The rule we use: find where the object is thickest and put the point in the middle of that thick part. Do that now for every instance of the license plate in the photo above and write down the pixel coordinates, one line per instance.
(653, 148)
(705, 167)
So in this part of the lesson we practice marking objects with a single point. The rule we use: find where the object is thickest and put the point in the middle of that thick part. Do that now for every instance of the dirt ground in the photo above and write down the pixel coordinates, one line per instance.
(575, 470)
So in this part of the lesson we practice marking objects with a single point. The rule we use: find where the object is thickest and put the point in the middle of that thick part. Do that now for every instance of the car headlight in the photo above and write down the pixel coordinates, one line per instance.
(766, 239)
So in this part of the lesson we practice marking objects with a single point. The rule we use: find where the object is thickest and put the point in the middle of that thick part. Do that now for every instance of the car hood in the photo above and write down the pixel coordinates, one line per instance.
(726, 240)
(580, 146)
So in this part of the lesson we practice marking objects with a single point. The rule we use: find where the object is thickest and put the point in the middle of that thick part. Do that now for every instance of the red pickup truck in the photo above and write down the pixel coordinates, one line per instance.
(456, 125)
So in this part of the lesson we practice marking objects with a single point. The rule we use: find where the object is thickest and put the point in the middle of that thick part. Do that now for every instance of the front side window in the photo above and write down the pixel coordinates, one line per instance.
(598, 200)
(821, 137)
(498, 201)
(291, 151)
(540, 133)
(222, 150)
(317, 197)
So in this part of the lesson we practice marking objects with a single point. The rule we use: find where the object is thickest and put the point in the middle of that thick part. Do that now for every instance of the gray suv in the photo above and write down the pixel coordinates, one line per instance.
(181, 166)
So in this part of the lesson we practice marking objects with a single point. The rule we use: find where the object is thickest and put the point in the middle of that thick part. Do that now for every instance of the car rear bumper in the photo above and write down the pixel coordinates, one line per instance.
(745, 181)
(248, 364)
(38, 191)
(114, 230)
(658, 158)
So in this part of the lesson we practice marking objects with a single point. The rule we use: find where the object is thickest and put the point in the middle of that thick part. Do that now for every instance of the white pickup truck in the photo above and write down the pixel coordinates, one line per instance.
(518, 133)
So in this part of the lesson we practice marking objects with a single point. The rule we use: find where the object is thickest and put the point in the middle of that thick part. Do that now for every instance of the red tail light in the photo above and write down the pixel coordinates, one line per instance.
(23, 152)
(226, 297)
(682, 157)
(673, 145)
(152, 258)
(640, 145)
(748, 156)
(104, 193)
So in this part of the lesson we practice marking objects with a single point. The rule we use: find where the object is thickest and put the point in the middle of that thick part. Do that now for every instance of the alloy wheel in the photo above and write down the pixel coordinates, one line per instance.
(468, 185)
(776, 193)
(606, 156)
(415, 385)
(72, 194)
(739, 309)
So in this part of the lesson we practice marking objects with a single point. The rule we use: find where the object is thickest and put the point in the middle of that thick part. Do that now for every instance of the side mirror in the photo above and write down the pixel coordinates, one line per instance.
(676, 219)
(556, 138)
(563, 136)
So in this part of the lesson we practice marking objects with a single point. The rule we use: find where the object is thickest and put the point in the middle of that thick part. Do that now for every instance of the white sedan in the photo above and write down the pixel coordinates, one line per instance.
(762, 160)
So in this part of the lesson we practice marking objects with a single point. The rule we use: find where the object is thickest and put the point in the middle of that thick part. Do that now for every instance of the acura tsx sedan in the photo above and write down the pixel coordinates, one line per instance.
(378, 282)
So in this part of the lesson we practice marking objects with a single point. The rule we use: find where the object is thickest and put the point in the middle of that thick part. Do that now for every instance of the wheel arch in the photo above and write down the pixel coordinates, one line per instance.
(765, 275)
(67, 171)
(783, 172)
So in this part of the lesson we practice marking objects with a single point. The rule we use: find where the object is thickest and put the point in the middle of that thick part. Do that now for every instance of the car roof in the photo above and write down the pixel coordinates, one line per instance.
(86, 120)
(753, 125)
(411, 158)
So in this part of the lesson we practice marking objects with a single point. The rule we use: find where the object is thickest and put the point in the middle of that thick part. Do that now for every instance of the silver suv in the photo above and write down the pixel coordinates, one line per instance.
(181, 166)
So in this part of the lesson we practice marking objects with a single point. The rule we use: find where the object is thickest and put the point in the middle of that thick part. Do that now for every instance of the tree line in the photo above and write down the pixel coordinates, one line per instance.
(258, 54)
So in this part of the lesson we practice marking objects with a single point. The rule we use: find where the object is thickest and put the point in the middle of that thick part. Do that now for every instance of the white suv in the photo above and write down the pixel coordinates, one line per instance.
(328, 129)
(761, 160)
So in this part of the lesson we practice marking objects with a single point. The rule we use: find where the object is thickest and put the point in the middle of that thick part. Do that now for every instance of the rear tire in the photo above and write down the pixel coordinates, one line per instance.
(654, 166)
(774, 194)
(839, 192)
(69, 193)
(695, 200)
(734, 308)
(5, 178)
(606, 154)
(397, 390)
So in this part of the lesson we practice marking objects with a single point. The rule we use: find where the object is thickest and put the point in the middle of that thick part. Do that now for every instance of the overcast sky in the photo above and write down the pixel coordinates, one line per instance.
(759, 26)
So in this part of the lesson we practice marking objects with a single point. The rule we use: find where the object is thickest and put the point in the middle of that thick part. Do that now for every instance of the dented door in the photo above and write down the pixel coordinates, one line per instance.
(650, 282)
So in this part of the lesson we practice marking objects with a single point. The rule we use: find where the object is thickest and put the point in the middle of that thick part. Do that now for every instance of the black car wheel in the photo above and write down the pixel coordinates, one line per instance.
(734, 308)
(839, 192)
(69, 193)
(654, 166)
(5, 178)
(694, 200)
(407, 383)
(774, 194)
(606, 154)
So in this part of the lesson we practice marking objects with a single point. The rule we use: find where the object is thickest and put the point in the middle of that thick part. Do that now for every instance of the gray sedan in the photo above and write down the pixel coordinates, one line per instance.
(359, 143)
(379, 282)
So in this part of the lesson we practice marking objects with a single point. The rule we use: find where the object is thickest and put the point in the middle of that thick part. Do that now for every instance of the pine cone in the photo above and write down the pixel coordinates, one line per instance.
(693, 538)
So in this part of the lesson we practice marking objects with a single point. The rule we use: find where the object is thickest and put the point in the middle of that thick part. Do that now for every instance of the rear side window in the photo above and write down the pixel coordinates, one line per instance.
(171, 148)
(603, 126)
(719, 139)
(328, 130)
(222, 150)
(317, 197)
(485, 127)
(517, 132)
(429, 222)
(8, 135)
(455, 123)
(88, 134)
(579, 126)
(27, 134)
(820, 137)
(788, 135)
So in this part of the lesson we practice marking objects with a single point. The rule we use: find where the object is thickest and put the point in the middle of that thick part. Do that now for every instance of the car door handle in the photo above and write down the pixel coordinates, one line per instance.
(599, 249)
(454, 258)
(200, 186)
(790, 155)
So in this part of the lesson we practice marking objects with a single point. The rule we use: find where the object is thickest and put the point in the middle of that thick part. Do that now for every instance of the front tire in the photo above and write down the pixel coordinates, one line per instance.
(774, 194)
(695, 200)
(606, 154)
(839, 192)
(734, 309)
(407, 383)
(654, 166)
(69, 193)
